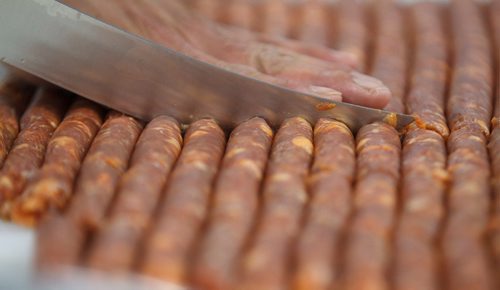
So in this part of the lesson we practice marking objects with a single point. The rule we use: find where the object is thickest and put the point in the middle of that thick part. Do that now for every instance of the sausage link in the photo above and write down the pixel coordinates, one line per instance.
(469, 111)
(494, 10)
(210, 9)
(234, 206)
(494, 149)
(240, 13)
(26, 156)
(52, 186)
(276, 18)
(494, 229)
(465, 258)
(422, 191)
(367, 245)
(390, 51)
(14, 97)
(470, 99)
(103, 165)
(352, 31)
(101, 169)
(266, 264)
(115, 246)
(169, 248)
(329, 183)
(426, 96)
(313, 28)
(59, 242)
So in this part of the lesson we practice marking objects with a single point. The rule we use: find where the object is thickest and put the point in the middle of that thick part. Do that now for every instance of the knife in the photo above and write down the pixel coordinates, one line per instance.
(84, 55)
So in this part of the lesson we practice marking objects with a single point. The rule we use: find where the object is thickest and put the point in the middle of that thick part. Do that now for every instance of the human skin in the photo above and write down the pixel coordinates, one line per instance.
(304, 67)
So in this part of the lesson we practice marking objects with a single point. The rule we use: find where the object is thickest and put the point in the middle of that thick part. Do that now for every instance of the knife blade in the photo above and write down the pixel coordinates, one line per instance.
(123, 71)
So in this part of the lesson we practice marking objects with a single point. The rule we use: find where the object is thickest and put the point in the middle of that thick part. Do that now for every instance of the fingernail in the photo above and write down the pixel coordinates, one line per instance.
(326, 92)
(369, 83)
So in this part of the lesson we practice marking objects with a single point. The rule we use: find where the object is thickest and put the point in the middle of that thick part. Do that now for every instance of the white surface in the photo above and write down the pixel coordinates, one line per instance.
(17, 246)
(16, 253)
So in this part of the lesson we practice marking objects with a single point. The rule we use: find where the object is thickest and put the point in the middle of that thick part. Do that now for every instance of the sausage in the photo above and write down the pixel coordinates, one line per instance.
(470, 99)
(424, 156)
(170, 246)
(390, 52)
(329, 183)
(494, 227)
(105, 162)
(352, 30)
(283, 198)
(234, 206)
(469, 110)
(52, 185)
(494, 11)
(116, 244)
(14, 97)
(101, 168)
(469, 205)
(423, 190)
(426, 96)
(59, 242)
(240, 13)
(494, 149)
(313, 28)
(37, 125)
(366, 256)
(275, 18)
(209, 8)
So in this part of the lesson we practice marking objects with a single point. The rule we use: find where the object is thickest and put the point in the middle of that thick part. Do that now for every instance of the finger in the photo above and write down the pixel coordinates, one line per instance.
(248, 38)
(325, 92)
(355, 87)
(313, 50)
(366, 91)
(320, 91)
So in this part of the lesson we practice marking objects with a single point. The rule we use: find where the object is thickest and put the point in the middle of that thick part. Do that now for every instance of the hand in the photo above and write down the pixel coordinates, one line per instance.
(308, 68)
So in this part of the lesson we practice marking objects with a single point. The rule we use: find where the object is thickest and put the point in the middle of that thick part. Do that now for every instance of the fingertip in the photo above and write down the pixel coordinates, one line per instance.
(368, 91)
(327, 93)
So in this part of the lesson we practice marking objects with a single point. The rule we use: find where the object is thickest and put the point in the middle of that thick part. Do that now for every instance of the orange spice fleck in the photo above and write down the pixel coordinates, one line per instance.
(325, 106)
(391, 119)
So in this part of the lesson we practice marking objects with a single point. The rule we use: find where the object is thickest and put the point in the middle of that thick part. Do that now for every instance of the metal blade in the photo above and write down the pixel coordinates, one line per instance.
(128, 73)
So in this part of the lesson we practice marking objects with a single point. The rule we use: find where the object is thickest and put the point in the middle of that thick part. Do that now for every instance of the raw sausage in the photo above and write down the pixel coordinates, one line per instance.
(470, 101)
(318, 258)
(313, 28)
(423, 190)
(276, 18)
(426, 97)
(241, 13)
(116, 244)
(390, 51)
(170, 246)
(26, 156)
(101, 169)
(52, 186)
(494, 148)
(234, 205)
(376, 188)
(469, 112)
(14, 97)
(352, 30)
(284, 196)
